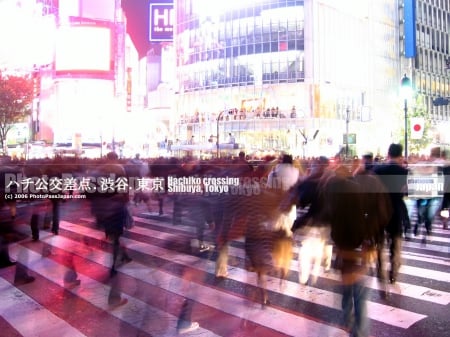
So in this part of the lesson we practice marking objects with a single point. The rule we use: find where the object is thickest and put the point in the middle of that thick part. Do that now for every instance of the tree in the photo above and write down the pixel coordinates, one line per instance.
(416, 145)
(416, 108)
(16, 97)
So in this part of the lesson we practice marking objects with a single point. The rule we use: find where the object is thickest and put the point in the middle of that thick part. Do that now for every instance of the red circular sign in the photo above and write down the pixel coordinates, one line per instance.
(417, 127)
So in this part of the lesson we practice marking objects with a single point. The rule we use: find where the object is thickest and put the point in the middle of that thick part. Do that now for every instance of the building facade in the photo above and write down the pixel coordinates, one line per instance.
(286, 75)
(431, 64)
(304, 76)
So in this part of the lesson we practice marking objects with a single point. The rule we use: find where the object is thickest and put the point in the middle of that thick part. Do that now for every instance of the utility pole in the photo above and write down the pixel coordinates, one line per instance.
(217, 133)
(347, 122)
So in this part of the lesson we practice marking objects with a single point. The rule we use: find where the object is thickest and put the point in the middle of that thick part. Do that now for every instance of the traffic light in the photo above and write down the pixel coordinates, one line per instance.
(440, 101)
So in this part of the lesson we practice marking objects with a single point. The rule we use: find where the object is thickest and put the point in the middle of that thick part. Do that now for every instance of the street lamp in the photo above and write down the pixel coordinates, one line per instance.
(217, 134)
(347, 121)
(406, 93)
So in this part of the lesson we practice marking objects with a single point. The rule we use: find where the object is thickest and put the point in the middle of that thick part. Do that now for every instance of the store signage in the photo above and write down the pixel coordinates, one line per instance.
(162, 20)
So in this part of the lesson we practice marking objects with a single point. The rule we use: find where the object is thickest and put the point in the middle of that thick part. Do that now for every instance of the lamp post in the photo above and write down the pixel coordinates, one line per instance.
(347, 121)
(217, 132)
(406, 91)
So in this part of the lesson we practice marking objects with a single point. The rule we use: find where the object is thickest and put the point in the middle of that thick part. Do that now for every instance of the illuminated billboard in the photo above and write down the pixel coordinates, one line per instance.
(161, 22)
(84, 48)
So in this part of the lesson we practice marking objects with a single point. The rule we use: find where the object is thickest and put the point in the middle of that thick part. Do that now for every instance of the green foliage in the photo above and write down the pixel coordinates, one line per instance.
(419, 110)
(16, 98)
(416, 108)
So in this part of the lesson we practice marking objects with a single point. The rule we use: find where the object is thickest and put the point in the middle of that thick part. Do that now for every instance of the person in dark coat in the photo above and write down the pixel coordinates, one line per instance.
(445, 206)
(394, 177)
(111, 206)
(347, 211)
(308, 197)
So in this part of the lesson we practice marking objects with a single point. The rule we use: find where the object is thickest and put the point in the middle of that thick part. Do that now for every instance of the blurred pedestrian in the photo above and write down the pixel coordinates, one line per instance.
(6, 228)
(345, 212)
(115, 298)
(428, 205)
(445, 206)
(184, 323)
(260, 212)
(34, 172)
(281, 179)
(377, 210)
(229, 216)
(201, 214)
(54, 170)
(70, 276)
(136, 170)
(9, 174)
(394, 177)
(310, 223)
(112, 207)
(21, 275)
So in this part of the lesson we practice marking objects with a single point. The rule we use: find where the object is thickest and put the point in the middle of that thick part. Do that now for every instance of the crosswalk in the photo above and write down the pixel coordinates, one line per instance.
(164, 272)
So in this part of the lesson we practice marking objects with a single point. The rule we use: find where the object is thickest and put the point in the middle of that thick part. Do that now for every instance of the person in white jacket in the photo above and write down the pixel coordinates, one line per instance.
(281, 179)
(284, 176)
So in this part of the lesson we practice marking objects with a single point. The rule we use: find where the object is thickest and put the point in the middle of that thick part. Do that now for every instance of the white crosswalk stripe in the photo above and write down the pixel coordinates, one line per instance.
(20, 309)
(94, 291)
(274, 317)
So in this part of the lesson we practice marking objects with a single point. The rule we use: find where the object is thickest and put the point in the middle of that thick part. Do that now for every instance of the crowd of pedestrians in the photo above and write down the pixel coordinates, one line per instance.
(352, 208)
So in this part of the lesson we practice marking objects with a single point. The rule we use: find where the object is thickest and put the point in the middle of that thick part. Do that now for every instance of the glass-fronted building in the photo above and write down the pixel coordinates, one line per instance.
(231, 62)
(432, 62)
(287, 75)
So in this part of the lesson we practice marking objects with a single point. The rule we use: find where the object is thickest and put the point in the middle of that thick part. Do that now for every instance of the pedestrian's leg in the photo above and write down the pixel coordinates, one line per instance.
(361, 324)
(201, 235)
(305, 261)
(222, 261)
(347, 306)
(395, 251)
(328, 248)
(5, 259)
(433, 212)
(176, 211)
(328, 255)
(262, 283)
(13, 209)
(71, 277)
(184, 323)
(380, 257)
(55, 216)
(125, 258)
(115, 296)
(21, 276)
(161, 204)
(406, 225)
(34, 224)
(419, 216)
(317, 256)
(116, 248)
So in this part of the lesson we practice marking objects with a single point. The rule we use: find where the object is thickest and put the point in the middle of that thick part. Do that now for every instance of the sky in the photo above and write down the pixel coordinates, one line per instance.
(137, 12)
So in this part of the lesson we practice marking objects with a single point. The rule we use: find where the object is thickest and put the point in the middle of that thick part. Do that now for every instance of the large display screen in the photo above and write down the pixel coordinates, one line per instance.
(83, 48)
